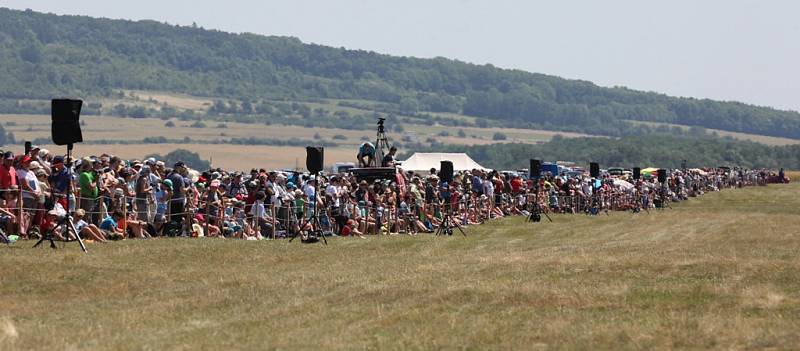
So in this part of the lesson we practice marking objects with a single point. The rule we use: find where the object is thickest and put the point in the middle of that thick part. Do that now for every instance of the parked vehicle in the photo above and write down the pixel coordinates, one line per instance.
(342, 167)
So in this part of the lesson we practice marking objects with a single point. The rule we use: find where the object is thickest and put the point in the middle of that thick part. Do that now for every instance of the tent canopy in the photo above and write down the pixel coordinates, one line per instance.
(425, 161)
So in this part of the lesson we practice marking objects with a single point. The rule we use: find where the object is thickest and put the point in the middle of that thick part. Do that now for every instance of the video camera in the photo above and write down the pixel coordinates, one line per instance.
(381, 120)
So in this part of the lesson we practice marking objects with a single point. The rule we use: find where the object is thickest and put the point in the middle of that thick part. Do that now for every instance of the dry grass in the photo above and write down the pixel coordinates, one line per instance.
(721, 272)
(30, 127)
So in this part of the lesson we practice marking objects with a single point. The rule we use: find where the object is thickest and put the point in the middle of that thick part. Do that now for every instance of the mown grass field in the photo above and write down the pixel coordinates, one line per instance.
(719, 272)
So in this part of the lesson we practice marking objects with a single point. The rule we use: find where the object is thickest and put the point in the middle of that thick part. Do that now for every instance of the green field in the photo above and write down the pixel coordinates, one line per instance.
(718, 272)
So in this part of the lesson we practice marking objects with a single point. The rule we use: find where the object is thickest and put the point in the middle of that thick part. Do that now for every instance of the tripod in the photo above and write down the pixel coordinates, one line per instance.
(638, 202)
(447, 225)
(3, 238)
(663, 199)
(313, 219)
(67, 220)
(381, 142)
(536, 211)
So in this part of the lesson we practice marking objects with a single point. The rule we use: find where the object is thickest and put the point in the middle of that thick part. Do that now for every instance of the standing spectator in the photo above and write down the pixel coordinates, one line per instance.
(178, 200)
(8, 178)
(143, 194)
(30, 191)
(87, 179)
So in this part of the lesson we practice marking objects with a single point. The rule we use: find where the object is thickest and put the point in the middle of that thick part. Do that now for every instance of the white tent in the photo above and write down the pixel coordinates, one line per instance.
(425, 161)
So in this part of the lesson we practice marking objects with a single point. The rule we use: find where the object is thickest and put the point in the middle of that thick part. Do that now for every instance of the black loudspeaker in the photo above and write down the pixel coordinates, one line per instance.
(662, 175)
(637, 173)
(446, 172)
(594, 169)
(66, 126)
(536, 169)
(315, 157)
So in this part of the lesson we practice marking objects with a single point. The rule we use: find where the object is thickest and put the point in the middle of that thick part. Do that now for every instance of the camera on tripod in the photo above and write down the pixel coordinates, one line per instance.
(381, 120)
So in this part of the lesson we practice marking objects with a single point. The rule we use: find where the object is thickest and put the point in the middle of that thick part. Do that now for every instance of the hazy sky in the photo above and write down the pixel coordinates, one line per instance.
(722, 49)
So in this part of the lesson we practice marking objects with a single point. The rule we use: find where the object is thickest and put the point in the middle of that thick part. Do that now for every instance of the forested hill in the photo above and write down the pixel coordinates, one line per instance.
(44, 55)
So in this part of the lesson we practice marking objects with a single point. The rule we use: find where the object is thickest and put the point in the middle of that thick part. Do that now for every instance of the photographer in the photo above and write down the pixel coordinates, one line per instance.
(389, 160)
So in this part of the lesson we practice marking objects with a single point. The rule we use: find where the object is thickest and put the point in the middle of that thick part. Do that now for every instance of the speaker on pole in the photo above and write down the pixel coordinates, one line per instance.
(446, 171)
(315, 157)
(662, 175)
(536, 169)
(637, 173)
(594, 169)
(66, 126)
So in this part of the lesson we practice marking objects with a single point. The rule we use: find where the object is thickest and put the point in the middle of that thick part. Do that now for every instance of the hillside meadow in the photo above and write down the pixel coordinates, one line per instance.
(716, 272)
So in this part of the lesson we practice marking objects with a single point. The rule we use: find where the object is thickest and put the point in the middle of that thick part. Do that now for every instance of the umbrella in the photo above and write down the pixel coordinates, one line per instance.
(621, 184)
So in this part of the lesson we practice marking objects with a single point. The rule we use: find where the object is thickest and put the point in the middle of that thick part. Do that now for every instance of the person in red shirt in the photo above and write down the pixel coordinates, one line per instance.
(8, 181)
(516, 184)
(8, 175)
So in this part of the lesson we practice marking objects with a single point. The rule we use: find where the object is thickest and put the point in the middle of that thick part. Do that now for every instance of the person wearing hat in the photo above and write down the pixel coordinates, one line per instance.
(236, 187)
(86, 230)
(29, 185)
(144, 194)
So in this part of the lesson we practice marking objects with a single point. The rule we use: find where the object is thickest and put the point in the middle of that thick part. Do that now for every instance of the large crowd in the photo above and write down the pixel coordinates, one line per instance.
(114, 199)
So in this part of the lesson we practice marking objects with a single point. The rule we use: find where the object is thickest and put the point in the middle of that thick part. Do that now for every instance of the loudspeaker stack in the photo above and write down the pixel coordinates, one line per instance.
(594, 169)
(315, 156)
(446, 173)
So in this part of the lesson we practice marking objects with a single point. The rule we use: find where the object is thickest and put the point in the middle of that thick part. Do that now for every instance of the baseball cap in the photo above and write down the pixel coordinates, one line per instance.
(179, 164)
(8, 155)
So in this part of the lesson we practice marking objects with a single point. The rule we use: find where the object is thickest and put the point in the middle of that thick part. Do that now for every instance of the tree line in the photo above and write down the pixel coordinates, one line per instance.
(45, 55)
(636, 151)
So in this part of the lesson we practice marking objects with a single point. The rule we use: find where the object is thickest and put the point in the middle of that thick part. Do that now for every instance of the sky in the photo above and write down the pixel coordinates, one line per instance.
(738, 50)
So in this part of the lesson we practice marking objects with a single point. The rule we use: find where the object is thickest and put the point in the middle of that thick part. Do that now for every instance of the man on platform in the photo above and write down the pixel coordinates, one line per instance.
(389, 159)
(367, 150)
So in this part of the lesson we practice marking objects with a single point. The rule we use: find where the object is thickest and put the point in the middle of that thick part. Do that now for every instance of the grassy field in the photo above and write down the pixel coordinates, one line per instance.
(719, 272)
